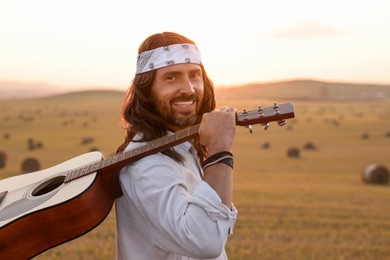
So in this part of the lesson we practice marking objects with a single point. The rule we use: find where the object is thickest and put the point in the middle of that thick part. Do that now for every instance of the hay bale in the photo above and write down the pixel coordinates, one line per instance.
(32, 144)
(293, 152)
(335, 122)
(265, 145)
(376, 174)
(87, 140)
(3, 159)
(310, 146)
(30, 165)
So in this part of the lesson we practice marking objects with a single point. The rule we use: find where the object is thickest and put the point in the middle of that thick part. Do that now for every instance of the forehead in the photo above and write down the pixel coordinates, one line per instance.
(179, 68)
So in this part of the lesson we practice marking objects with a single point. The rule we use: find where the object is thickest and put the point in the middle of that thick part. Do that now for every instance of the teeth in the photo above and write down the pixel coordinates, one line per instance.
(184, 103)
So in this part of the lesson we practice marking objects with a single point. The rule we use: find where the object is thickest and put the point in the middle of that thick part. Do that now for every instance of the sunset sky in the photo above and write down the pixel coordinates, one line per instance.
(85, 43)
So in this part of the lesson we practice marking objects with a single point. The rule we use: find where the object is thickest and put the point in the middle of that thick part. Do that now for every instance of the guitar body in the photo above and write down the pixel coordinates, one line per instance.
(40, 211)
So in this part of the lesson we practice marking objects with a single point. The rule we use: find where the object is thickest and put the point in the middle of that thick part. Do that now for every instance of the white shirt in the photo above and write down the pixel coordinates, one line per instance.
(168, 212)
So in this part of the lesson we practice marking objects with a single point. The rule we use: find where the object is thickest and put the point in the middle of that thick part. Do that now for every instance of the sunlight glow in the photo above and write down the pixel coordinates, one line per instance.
(94, 43)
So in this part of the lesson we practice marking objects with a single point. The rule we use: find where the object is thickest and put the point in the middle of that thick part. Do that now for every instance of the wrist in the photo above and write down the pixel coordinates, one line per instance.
(224, 157)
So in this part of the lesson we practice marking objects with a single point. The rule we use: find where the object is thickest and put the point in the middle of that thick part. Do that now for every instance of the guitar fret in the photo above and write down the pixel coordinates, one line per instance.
(150, 146)
(83, 171)
(103, 163)
(129, 154)
(86, 169)
(126, 155)
(95, 167)
(77, 173)
(74, 173)
(171, 139)
(69, 175)
(110, 160)
(90, 168)
(182, 134)
(119, 157)
(114, 159)
(161, 141)
(143, 149)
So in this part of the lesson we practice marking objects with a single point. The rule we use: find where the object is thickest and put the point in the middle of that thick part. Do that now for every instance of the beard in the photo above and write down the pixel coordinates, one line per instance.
(173, 117)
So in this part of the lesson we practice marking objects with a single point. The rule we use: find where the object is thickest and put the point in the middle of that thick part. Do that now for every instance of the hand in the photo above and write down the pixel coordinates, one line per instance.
(217, 129)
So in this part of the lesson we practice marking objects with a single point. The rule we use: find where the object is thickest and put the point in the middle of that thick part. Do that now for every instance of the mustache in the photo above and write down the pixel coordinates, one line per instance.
(184, 97)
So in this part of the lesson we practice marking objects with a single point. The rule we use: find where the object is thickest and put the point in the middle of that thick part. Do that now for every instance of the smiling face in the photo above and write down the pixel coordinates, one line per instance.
(177, 93)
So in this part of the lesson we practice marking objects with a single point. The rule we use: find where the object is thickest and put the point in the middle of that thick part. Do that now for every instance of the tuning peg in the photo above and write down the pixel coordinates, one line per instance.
(260, 110)
(282, 122)
(276, 109)
(265, 126)
(245, 113)
(250, 128)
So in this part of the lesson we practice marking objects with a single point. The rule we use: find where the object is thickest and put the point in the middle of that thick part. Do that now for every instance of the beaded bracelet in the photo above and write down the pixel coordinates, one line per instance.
(221, 157)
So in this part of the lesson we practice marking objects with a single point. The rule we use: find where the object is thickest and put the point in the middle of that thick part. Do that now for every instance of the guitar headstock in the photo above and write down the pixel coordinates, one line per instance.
(265, 115)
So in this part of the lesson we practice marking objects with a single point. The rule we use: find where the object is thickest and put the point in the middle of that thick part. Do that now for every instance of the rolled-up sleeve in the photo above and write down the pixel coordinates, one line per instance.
(205, 197)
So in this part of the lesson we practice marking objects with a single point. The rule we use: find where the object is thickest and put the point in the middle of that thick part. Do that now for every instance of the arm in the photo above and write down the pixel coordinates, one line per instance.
(217, 131)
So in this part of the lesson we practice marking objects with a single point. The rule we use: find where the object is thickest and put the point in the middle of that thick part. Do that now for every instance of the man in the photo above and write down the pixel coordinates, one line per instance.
(176, 204)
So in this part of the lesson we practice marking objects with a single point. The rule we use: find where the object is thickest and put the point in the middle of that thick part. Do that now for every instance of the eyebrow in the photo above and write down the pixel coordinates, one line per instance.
(176, 72)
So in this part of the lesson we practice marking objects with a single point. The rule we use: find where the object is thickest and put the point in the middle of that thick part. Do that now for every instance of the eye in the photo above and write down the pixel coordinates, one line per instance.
(170, 77)
(196, 75)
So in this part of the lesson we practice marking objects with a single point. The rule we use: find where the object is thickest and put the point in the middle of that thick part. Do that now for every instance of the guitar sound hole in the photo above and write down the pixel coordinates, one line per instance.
(48, 186)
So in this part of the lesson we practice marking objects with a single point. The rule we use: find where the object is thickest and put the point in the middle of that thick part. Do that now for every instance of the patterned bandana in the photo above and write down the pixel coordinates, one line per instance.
(166, 56)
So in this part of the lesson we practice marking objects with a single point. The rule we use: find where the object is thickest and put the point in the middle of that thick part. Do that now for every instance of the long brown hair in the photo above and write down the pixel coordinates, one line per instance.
(138, 114)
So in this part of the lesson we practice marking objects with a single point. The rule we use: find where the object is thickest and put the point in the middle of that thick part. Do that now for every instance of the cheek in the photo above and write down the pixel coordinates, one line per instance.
(199, 90)
(163, 93)
(160, 101)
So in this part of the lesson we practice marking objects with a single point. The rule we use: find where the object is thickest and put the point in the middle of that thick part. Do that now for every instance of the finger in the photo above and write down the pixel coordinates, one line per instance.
(230, 109)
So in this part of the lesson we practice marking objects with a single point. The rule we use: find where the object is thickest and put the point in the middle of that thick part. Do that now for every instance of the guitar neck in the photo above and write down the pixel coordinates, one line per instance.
(119, 160)
(246, 118)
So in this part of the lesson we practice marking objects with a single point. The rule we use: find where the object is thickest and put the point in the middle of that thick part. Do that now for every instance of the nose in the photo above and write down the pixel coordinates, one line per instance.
(187, 86)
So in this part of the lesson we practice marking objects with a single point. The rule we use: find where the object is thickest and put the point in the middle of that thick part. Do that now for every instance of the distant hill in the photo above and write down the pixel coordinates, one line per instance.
(306, 90)
(85, 96)
(15, 89)
(22, 90)
(280, 90)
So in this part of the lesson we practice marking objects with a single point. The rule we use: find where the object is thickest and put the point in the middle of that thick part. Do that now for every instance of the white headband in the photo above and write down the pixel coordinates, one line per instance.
(168, 55)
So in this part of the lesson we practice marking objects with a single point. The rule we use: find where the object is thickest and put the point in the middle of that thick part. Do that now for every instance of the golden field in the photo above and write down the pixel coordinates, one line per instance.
(314, 206)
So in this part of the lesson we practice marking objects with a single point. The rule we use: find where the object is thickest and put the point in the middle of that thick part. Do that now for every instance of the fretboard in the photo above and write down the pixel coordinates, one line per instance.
(246, 118)
(118, 161)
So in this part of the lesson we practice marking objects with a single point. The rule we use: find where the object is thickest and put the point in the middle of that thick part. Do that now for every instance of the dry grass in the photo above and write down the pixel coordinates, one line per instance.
(312, 207)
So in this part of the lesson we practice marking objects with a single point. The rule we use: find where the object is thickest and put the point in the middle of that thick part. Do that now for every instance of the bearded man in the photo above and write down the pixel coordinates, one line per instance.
(176, 204)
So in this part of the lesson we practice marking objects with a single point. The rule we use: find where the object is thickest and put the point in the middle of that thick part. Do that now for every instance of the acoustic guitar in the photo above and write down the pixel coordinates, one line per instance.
(43, 209)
